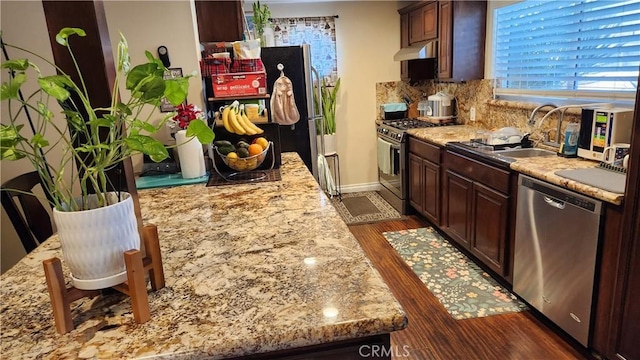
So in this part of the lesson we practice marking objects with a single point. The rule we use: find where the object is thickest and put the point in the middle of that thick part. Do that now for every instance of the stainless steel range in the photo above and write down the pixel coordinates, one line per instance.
(392, 159)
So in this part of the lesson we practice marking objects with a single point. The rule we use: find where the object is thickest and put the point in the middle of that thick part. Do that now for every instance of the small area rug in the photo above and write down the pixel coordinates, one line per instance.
(364, 207)
(463, 288)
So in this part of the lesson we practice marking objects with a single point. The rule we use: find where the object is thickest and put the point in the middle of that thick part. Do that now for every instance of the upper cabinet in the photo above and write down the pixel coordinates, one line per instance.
(423, 22)
(219, 20)
(459, 28)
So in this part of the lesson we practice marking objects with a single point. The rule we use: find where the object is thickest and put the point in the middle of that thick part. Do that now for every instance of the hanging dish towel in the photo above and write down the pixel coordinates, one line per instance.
(283, 105)
(384, 156)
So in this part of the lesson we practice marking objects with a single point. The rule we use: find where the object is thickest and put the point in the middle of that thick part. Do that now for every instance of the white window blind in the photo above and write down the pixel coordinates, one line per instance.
(568, 48)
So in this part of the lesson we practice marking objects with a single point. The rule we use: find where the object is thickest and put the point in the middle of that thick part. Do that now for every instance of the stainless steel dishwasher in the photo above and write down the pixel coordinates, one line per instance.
(556, 246)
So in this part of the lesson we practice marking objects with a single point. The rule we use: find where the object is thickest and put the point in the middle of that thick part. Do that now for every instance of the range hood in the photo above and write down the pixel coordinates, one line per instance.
(423, 51)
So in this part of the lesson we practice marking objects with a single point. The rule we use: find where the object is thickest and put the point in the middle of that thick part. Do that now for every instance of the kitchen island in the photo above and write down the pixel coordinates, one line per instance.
(265, 268)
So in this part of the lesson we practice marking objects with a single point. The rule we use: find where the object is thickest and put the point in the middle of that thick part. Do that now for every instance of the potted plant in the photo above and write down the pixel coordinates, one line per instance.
(190, 155)
(327, 126)
(261, 15)
(109, 135)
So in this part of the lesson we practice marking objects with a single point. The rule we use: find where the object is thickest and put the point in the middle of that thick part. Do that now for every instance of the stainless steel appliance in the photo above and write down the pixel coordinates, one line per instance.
(600, 128)
(441, 106)
(392, 160)
(556, 245)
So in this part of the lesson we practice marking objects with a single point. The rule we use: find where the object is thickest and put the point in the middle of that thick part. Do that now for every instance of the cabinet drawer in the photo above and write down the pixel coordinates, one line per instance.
(485, 174)
(425, 150)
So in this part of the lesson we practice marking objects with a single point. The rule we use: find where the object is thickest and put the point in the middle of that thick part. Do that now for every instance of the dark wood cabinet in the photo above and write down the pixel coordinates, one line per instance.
(461, 35)
(629, 334)
(219, 20)
(444, 45)
(404, 42)
(489, 227)
(424, 179)
(431, 199)
(456, 214)
(416, 186)
(423, 23)
(617, 314)
(477, 203)
(459, 27)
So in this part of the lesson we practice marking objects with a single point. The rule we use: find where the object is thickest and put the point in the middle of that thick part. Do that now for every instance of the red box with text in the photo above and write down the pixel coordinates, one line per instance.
(239, 84)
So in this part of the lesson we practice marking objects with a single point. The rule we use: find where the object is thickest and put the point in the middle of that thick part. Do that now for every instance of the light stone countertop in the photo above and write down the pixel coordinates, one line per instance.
(249, 269)
(542, 168)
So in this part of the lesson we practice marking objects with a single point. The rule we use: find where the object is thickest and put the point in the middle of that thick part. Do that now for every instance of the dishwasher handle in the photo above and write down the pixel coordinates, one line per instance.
(555, 203)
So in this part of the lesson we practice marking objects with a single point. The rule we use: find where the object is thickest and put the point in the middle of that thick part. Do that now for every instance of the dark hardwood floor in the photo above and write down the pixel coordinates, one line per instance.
(433, 334)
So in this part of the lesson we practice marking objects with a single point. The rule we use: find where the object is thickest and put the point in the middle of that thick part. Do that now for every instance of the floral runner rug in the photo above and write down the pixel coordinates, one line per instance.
(463, 288)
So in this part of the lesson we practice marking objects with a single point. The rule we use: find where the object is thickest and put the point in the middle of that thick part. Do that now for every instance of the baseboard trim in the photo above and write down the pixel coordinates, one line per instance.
(360, 187)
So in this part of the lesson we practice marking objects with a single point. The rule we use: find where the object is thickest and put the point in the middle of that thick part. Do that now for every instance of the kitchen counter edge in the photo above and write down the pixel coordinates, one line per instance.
(542, 168)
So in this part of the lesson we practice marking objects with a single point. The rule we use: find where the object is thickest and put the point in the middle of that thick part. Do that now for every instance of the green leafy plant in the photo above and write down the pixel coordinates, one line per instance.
(329, 99)
(261, 15)
(108, 135)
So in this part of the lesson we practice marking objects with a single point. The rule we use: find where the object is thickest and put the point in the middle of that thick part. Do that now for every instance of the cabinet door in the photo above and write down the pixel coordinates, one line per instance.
(445, 41)
(431, 200)
(489, 227)
(630, 328)
(219, 20)
(404, 42)
(457, 207)
(423, 23)
(415, 182)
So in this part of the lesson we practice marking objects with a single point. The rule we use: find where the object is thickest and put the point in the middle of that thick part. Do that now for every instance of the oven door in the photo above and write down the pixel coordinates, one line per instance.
(391, 166)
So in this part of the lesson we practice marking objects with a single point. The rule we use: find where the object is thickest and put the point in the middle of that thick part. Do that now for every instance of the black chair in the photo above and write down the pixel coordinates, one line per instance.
(30, 218)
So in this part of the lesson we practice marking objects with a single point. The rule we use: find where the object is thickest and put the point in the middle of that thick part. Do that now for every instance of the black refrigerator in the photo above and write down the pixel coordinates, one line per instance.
(300, 137)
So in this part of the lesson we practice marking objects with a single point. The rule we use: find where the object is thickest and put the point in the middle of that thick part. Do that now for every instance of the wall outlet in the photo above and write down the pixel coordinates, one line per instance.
(472, 114)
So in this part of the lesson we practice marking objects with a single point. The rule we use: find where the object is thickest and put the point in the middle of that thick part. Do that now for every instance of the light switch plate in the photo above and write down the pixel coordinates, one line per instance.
(472, 114)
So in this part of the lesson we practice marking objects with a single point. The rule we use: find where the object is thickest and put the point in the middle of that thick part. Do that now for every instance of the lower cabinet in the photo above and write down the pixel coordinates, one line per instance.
(477, 207)
(424, 179)
(472, 202)
(489, 226)
(457, 207)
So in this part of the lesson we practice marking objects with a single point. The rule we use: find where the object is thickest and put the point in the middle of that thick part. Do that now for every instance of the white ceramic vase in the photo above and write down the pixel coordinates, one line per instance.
(94, 241)
(330, 145)
(190, 155)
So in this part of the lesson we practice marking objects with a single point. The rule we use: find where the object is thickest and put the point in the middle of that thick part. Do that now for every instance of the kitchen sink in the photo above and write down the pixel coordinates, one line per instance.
(524, 153)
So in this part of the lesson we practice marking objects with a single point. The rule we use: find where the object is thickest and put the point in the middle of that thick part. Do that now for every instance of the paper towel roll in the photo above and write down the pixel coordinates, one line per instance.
(190, 155)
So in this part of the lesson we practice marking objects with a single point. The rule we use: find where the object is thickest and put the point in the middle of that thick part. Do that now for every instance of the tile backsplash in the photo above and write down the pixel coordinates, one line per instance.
(490, 113)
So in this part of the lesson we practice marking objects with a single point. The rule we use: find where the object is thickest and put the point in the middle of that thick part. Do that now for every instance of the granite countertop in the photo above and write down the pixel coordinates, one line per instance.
(249, 269)
(543, 168)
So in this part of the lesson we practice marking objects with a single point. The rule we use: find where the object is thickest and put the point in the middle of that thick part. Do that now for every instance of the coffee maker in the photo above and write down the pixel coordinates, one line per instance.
(600, 128)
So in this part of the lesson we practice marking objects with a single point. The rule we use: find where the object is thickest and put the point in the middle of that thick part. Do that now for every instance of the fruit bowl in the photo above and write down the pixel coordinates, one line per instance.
(244, 164)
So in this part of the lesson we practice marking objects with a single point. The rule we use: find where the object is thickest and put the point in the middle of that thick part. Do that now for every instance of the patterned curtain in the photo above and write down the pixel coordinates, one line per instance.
(319, 32)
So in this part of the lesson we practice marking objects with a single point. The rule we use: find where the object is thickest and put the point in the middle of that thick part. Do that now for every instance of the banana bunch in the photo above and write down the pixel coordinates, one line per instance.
(235, 120)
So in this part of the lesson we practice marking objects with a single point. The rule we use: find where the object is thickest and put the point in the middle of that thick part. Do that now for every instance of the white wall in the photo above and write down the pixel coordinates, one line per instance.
(148, 24)
(23, 24)
(367, 36)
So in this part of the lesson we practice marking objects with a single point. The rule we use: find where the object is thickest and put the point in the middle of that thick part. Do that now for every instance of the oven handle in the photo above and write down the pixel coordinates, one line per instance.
(394, 145)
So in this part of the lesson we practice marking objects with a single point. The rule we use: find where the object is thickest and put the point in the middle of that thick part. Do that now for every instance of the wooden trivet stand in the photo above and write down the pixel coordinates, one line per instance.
(135, 286)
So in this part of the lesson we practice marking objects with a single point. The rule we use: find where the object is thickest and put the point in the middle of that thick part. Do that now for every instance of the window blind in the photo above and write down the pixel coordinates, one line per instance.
(572, 47)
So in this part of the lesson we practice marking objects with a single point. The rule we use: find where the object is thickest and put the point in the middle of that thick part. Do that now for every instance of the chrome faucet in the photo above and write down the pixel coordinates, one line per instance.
(532, 121)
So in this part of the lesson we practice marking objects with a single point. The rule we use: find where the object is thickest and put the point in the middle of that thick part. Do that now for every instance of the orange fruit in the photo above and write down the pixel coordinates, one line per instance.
(255, 149)
(262, 142)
